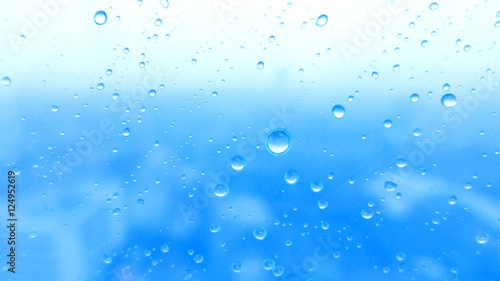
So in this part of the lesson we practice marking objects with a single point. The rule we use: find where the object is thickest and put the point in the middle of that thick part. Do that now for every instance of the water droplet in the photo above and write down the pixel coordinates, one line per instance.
(109, 71)
(268, 264)
(367, 214)
(467, 48)
(152, 93)
(291, 177)
(417, 132)
(316, 186)
(140, 201)
(446, 87)
(116, 211)
(158, 22)
(322, 20)
(449, 100)
(221, 190)
(424, 43)
(452, 200)
(107, 259)
(278, 271)
(414, 97)
(387, 123)
(164, 3)
(278, 141)
(126, 132)
(401, 163)
(400, 256)
(468, 185)
(194, 61)
(433, 6)
(482, 237)
(126, 50)
(236, 266)
(260, 65)
(6, 81)
(374, 75)
(390, 186)
(214, 228)
(259, 233)
(237, 163)
(272, 38)
(55, 108)
(322, 204)
(100, 86)
(338, 111)
(100, 17)
(164, 248)
(198, 258)
(395, 67)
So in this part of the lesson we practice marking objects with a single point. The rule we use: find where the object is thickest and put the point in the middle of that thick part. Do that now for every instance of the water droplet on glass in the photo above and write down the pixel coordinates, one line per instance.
(452, 200)
(158, 22)
(259, 233)
(374, 75)
(467, 48)
(126, 132)
(6, 81)
(446, 87)
(414, 97)
(260, 65)
(214, 228)
(482, 238)
(140, 201)
(278, 271)
(401, 163)
(316, 186)
(107, 259)
(322, 20)
(236, 266)
(367, 214)
(268, 264)
(272, 38)
(449, 100)
(395, 67)
(109, 71)
(100, 86)
(417, 132)
(291, 177)
(387, 123)
(237, 163)
(152, 93)
(164, 248)
(390, 186)
(433, 6)
(100, 17)
(198, 258)
(400, 256)
(116, 211)
(322, 204)
(338, 111)
(424, 43)
(278, 141)
(221, 190)
(164, 3)
(55, 108)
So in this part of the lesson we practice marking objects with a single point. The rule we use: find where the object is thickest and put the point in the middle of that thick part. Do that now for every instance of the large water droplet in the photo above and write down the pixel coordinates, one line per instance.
(278, 141)
(414, 97)
(433, 6)
(367, 214)
(390, 186)
(55, 108)
(316, 186)
(322, 20)
(449, 100)
(338, 111)
(221, 190)
(291, 177)
(259, 233)
(126, 132)
(322, 203)
(100, 17)
(6, 81)
(237, 163)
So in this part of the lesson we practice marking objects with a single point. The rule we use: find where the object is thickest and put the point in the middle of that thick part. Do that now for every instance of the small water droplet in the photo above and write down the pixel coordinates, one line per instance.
(164, 248)
(414, 97)
(55, 108)
(100, 17)
(449, 100)
(291, 177)
(6, 81)
(272, 38)
(424, 43)
(400, 256)
(374, 75)
(482, 238)
(395, 67)
(107, 259)
(338, 111)
(417, 132)
(316, 186)
(433, 6)
(164, 3)
(278, 270)
(198, 258)
(126, 132)
(214, 228)
(221, 190)
(387, 123)
(236, 267)
(260, 65)
(322, 203)
(268, 264)
(367, 214)
(322, 20)
(237, 163)
(158, 22)
(401, 163)
(100, 86)
(452, 200)
(259, 233)
(116, 211)
(390, 186)
(278, 141)
(152, 93)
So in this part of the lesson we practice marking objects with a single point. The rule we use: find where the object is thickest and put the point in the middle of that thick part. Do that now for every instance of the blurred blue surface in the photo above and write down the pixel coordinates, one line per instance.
(115, 180)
